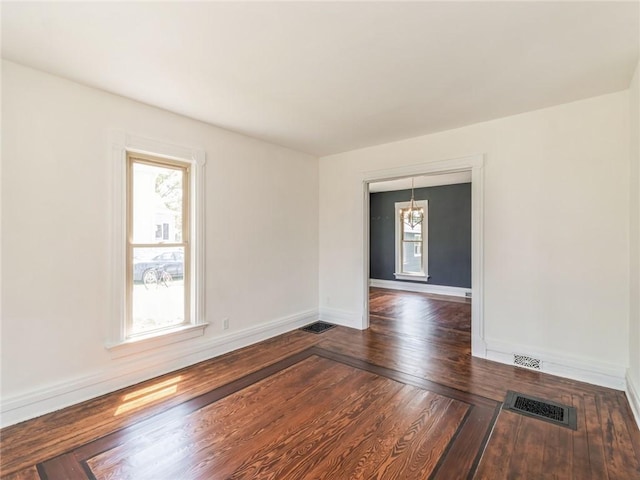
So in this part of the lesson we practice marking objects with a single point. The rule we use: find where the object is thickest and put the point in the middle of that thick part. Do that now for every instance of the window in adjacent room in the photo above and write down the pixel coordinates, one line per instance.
(411, 245)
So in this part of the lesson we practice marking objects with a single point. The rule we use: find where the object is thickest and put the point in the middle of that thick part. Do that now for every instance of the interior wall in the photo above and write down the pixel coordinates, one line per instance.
(634, 220)
(556, 227)
(56, 228)
(448, 234)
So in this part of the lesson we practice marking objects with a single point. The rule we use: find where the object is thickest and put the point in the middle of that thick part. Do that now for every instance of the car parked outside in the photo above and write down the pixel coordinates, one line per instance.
(171, 262)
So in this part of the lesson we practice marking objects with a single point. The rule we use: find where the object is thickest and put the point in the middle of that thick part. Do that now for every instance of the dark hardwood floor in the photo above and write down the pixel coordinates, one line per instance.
(402, 400)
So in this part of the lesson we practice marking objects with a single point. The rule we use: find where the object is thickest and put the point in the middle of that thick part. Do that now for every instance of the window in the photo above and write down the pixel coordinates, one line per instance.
(158, 244)
(411, 244)
(158, 217)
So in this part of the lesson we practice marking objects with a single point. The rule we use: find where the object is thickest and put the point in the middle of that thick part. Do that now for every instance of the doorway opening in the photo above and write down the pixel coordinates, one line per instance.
(440, 172)
(420, 258)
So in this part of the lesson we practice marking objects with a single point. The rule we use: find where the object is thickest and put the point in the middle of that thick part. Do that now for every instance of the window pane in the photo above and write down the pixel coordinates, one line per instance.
(158, 288)
(409, 233)
(157, 203)
(411, 263)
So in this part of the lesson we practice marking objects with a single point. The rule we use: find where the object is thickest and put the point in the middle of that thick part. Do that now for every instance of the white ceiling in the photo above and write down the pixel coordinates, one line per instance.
(330, 77)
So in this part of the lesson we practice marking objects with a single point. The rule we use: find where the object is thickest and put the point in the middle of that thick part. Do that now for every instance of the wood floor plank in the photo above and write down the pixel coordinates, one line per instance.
(559, 452)
(619, 453)
(367, 448)
(298, 425)
(64, 467)
(527, 442)
(495, 461)
(595, 438)
(558, 448)
(226, 432)
(624, 410)
(50, 435)
(429, 444)
(254, 445)
(350, 409)
(284, 456)
(457, 463)
(335, 415)
(581, 461)
(30, 473)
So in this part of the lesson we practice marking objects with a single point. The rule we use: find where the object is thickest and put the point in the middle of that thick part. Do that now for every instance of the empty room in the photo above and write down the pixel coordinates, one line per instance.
(303, 240)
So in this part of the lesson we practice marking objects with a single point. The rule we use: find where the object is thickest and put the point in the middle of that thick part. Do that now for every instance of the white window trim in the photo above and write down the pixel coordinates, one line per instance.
(117, 342)
(399, 274)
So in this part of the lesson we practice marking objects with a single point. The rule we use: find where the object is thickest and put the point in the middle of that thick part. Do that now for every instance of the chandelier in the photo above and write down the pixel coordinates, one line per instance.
(413, 215)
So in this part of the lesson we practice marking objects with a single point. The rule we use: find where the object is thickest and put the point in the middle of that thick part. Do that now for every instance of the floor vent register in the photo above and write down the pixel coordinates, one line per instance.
(552, 412)
(317, 327)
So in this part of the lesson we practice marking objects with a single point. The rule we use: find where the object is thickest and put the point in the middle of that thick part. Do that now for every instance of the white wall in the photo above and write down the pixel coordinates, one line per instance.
(261, 271)
(556, 231)
(556, 238)
(633, 376)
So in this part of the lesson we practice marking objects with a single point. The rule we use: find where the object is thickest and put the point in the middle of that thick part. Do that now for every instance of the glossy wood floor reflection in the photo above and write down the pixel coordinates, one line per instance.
(403, 399)
(313, 415)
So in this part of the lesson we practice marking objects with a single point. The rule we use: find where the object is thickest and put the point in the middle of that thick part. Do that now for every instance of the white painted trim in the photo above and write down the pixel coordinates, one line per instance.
(473, 163)
(341, 317)
(129, 370)
(366, 229)
(420, 287)
(452, 165)
(156, 340)
(413, 278)
(422, 182)
(478, 344)
(141, 144)
(633, 397)
(554, 363)
(121, 143)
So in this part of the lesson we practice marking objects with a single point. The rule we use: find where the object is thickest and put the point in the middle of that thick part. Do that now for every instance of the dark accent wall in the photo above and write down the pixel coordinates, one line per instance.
(449, 233)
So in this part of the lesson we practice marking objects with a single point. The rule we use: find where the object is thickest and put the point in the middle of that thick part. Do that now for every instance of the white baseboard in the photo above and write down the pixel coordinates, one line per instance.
(633, 397)
(478, 346)
(420, 287)
(129, 370)
(583, 370)
(341, 317)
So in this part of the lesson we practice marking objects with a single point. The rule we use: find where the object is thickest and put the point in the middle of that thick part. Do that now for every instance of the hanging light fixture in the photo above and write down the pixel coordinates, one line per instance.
(413, 215)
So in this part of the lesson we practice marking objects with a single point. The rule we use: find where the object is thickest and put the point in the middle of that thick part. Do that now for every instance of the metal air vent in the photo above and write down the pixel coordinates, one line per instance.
(527, 361)
(552, 412)
(317, 327)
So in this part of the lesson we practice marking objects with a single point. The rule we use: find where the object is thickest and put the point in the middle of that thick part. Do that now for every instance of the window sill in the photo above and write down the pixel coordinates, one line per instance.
(155, 340)
(416, 277)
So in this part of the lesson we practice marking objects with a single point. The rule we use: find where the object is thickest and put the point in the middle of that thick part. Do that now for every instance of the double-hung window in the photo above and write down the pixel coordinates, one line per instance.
(158, 244)
(411, 246)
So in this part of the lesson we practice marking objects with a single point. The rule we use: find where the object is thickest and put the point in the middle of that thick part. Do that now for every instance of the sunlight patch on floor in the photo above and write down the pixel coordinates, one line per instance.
(147, 395)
